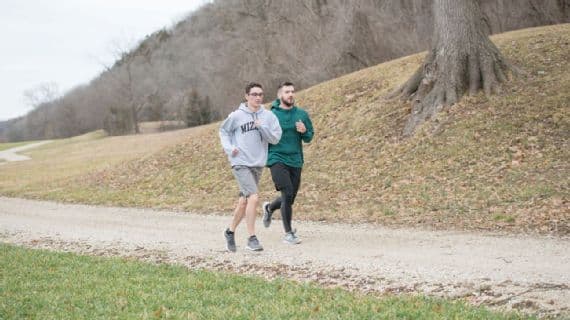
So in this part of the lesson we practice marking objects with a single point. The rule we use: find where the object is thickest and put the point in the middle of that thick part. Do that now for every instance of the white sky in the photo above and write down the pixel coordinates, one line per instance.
(67, 42)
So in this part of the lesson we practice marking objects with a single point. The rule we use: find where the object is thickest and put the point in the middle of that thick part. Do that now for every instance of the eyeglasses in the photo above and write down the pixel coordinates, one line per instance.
(255, 94)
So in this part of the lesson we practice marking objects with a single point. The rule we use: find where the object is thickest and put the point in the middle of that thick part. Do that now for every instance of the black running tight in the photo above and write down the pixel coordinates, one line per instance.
(287, 180)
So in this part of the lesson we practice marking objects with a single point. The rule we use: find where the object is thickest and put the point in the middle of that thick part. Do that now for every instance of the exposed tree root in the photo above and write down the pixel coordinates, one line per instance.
(463, 60)
(443, 79)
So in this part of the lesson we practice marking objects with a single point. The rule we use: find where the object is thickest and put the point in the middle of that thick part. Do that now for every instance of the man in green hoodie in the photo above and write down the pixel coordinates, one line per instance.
(285, 159)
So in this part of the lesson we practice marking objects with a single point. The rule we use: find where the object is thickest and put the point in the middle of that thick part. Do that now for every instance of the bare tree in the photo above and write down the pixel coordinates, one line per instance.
(42, 93)
(66, 119)
(122, 73)
(461, 58)
(133, 107)
(153, 107)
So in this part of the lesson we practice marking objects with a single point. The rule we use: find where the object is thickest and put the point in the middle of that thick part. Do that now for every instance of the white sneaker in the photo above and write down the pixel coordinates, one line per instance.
(291, 238)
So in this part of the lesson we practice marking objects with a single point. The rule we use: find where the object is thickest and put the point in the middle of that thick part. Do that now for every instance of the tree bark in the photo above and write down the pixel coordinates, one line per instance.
(132, 106)
(461, 59)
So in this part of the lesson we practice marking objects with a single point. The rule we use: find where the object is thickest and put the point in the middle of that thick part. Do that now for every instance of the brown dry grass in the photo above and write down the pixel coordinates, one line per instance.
(54, 164)
(498, 163)
(160, 126)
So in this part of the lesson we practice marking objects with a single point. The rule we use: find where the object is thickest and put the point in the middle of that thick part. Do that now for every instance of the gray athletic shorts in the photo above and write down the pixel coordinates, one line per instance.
(247, 178)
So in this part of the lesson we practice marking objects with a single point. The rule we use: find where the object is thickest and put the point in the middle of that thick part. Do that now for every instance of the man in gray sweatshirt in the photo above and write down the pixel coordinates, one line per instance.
(245, 136)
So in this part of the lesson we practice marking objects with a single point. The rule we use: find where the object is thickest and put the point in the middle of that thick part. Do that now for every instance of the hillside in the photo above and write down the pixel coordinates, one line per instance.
(498, 163)
(217, 49)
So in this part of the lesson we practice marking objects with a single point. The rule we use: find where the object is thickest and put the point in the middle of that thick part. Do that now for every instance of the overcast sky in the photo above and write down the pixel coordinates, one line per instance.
(67, 42)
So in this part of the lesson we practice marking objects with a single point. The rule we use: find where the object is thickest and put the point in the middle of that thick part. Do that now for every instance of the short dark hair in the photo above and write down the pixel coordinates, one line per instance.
(252, 85)
(286, 84)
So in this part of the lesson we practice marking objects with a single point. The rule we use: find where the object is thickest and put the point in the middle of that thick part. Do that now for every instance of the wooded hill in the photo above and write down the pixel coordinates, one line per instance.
(195, 72)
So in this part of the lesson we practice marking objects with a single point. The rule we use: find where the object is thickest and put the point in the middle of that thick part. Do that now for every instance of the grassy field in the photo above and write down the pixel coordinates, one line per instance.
(45, 285)
(9, 145)
(497, 163)
(55, 163)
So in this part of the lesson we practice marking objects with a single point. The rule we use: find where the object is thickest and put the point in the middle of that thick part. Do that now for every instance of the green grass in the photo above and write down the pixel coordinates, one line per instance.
(9, 145)
(45, 285)
(500, 217)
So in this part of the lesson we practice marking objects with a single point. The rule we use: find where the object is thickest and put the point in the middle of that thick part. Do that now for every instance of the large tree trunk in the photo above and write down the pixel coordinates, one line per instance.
(461, 58)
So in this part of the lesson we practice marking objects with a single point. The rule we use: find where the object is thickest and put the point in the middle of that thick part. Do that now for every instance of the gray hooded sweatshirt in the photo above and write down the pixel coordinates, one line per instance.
(239, 132)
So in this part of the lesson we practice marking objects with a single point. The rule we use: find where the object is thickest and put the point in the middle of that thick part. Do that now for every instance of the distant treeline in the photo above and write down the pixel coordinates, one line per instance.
(196, 71)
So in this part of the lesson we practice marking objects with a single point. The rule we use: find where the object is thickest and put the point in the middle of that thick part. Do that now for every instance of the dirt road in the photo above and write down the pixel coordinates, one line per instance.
(521, 272)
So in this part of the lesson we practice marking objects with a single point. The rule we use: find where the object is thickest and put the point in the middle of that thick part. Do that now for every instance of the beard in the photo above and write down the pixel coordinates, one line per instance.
(289, 103)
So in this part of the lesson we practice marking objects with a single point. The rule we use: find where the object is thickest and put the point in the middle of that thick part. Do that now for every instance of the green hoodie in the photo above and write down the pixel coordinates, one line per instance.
(289, 150)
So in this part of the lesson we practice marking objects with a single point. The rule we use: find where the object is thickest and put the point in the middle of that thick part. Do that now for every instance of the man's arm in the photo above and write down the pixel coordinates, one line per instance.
(271, 131)
(226, 131)
(309, 133)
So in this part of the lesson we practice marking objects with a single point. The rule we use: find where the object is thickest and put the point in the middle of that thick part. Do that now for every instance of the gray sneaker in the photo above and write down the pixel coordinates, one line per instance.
(291, 238)
(230, 240)
(266, 214)
(253, 244)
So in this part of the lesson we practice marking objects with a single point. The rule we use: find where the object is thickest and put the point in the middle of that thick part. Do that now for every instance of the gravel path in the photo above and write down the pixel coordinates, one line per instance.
(521, 272)
(12, 154)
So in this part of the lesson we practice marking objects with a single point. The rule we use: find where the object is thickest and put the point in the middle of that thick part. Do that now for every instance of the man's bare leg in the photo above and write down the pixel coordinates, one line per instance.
(239, 213)
(250, 213)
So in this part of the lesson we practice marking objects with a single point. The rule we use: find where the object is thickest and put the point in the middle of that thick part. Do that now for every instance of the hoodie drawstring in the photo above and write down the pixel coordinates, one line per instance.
(255, 117)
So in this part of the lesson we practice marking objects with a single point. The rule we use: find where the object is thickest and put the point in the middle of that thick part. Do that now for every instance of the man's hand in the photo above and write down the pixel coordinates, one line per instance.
(257, 123)
(235, 151)
(300, 127)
